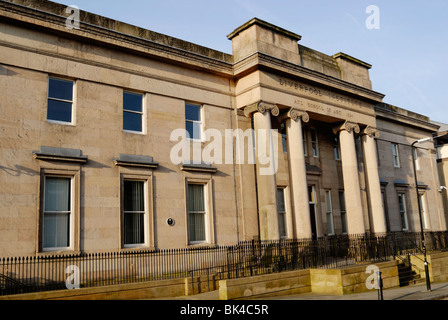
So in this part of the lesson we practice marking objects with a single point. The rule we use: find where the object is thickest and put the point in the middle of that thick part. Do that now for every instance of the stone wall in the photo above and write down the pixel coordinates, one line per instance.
(351, 279)
(320, 281)
(132, 291)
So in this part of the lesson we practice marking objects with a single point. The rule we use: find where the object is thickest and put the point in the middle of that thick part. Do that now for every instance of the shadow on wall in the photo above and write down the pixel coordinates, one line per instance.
(19, 170)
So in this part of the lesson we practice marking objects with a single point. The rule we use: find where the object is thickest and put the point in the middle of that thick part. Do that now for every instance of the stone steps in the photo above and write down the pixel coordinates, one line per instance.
(407, 276)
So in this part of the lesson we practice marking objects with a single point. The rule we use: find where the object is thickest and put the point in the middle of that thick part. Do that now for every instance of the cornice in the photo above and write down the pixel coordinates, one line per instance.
(292, 70)
(388, 115)
(57, 24)
(266, 25)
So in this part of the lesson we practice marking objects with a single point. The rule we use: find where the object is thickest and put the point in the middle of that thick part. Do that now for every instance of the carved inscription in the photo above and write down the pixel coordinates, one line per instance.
(312, 91)
(325, 109)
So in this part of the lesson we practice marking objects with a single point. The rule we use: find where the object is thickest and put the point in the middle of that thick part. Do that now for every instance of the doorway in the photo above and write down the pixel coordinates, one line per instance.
(312, 203)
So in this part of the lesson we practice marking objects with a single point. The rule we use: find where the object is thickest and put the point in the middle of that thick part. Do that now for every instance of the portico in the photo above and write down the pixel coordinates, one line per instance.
(347, 132)
(280, 95)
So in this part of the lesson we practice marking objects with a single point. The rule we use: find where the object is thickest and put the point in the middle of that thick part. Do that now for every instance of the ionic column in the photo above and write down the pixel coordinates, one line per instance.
(265, 165)
(297, 172)
(352, 190)
(373, 180)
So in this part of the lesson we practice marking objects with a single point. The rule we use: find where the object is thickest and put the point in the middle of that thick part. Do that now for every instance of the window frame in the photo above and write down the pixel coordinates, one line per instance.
(200, 122)
(336, 148)
(72, 121)
(284, 142)
(314, 199)
(343, 212)
(148, 223)
(305, 141)
(314, 143)
(142, 113)
(75, 204)
(69, 213)
(403, 213)
(282, 213)
(144, 212)
(329, 212)
(207, 181)
(424, 205)
(396, 155)
(204, 213)
(415, 158)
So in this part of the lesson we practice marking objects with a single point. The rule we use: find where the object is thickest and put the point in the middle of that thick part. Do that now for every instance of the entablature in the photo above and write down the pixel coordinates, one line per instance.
(294, 72)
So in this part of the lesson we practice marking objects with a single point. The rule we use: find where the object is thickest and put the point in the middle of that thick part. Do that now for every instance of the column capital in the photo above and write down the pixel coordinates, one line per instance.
(261, 107)
(347, 126)
(371, 132)
(295, 114)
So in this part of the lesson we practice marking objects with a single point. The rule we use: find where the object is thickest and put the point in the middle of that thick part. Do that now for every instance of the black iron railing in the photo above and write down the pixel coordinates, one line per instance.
(248, 258)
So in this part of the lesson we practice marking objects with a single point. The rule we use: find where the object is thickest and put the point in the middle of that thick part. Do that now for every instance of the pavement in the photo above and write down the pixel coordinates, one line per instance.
(439, 291)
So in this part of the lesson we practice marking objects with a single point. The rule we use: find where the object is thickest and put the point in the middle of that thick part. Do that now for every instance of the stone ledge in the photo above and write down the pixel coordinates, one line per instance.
(351, 279)
(142, 290)
(347, 280)
(437, 265)
(127, 160)
(292, 282)
(202, 167)
(60, 154)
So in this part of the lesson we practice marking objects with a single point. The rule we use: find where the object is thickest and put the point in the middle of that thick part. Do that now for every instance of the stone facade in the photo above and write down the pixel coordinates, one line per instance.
(337, 133)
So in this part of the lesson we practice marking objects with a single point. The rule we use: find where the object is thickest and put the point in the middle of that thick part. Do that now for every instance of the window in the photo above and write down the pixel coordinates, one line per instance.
(305, 147)
(58, 213)
(329, 207)
(403, 215)
(132, 112)
(377, 153)
(385, 210)
(60, 101)
(281, 210)
(193, 121)
(312, 200)
(415, 155)
(422, 202)
(196, 213)
(285, 147)
(314, 143)
(134, 213)
(284, 136)
(343, 212)
(395, 155)
(336, 148)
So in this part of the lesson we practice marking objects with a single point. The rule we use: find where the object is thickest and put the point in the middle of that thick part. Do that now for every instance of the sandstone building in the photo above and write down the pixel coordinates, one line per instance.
(86, 139)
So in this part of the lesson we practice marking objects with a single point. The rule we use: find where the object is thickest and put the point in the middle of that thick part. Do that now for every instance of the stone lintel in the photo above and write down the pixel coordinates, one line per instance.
(127, 160)
(401, 183)
(60, 154)
(199, 167)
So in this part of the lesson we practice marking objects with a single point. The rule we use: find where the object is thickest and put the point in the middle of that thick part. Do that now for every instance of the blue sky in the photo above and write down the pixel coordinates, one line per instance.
(408, 51)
